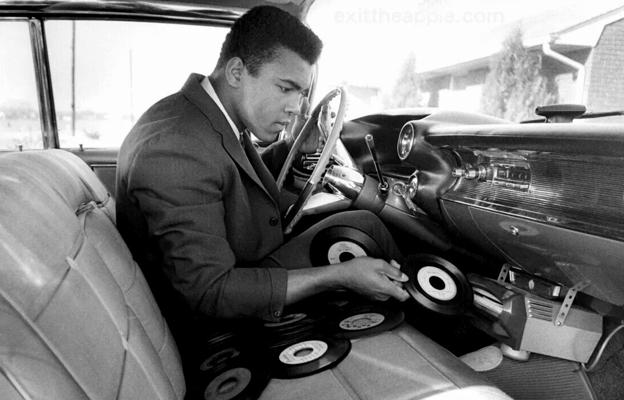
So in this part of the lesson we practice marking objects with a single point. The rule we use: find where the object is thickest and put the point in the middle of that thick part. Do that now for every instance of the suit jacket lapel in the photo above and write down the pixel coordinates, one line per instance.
(193, 91)
(259, 166)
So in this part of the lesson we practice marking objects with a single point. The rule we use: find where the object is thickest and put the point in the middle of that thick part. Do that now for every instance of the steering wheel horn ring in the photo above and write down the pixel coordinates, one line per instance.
(294, 213)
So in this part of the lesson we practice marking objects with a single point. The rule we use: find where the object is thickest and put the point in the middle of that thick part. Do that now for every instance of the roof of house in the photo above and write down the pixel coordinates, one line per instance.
(565, 30)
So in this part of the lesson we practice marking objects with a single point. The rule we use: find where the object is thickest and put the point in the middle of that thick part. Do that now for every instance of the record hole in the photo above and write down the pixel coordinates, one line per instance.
(228, 385)
(346, 256)
(437, 282)
(303, 352)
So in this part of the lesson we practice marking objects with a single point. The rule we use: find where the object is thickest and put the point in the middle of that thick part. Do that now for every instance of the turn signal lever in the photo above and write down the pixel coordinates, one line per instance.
(383, 184)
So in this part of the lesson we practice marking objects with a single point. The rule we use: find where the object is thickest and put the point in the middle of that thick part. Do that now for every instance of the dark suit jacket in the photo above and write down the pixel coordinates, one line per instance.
(190, 203)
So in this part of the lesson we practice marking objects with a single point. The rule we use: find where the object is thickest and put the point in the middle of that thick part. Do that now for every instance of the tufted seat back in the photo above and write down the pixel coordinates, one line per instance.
(77, 319)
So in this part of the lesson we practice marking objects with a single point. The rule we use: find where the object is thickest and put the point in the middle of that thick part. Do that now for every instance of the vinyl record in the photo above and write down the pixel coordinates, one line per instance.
(355, 321)
(437, 284)
(239, 378)
(231, 368)
(219, 358)
(313, 353)
(286, 320)
(289, 329)
(233, 373)
(338, 244)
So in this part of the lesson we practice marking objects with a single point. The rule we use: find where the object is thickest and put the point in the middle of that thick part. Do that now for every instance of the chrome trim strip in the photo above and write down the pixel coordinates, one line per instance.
(44, 84)
(183, 11)
(579, 226)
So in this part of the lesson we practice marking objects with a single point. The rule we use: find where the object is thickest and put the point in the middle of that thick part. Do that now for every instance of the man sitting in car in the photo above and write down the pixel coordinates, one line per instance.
(199, 208)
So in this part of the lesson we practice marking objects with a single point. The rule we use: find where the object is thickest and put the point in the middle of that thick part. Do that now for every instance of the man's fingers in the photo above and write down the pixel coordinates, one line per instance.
(399, 293)
(393, 271)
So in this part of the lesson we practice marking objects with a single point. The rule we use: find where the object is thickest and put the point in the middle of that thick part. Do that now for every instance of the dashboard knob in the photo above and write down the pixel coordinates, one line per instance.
(469, 172)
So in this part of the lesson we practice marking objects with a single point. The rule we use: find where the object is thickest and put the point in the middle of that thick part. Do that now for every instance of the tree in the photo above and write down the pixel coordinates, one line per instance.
(515, 84)
(406, 92)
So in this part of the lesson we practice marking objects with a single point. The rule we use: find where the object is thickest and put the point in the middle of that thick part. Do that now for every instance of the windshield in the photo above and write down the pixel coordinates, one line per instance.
(502, 58)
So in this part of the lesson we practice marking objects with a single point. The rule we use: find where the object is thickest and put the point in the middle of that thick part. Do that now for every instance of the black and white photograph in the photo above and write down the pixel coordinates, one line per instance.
(311, 199)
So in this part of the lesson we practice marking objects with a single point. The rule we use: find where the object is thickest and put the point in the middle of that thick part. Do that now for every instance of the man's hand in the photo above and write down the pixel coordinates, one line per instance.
(320, 130)
(373, 278)
(370, 277)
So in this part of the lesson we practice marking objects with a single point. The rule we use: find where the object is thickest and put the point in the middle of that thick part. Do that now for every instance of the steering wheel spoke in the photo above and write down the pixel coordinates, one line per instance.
(319, 119)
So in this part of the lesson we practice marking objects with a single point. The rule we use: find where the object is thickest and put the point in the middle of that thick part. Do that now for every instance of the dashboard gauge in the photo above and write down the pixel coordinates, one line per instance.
(406, 140)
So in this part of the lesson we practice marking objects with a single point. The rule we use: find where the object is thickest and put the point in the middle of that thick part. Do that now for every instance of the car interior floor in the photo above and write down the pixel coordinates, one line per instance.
(608, 374)
(539, 377)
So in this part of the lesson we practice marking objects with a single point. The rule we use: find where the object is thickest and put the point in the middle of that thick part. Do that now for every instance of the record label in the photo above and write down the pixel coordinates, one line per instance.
(303, 352)
(437, 283)
(219, 358)
(228, 384)
(344, 251)
(342, 243)
(361, 321)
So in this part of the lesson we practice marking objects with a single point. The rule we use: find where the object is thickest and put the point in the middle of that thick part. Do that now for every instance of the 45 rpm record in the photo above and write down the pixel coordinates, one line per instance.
(314, 353)
(219, 358)
(230, 369)
(229, 384)
(338, 244)
(288, 330)
(357, 321)
(437, 284)
(286, 320)
(235, 377)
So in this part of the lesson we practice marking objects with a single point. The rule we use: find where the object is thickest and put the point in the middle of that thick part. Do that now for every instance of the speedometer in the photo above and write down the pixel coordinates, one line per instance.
(406, 140)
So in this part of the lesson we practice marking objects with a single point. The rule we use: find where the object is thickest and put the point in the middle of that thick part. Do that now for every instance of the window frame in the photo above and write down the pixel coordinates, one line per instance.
(39, 13)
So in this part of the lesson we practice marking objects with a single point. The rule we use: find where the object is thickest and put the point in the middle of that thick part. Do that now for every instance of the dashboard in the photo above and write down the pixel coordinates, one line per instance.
(547, 198)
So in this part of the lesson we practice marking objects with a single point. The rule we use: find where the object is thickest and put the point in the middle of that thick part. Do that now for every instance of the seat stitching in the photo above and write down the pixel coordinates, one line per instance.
(15, 383)
(72, 264)
(426, 359)
(164, 335)
(345, 384)
(43, 338)
(82, 217)
(124, 362)
(147, 376)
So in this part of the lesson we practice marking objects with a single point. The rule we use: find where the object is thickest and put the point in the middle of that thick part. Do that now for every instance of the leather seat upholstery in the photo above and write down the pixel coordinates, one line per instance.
(400, 364)
(78, 321)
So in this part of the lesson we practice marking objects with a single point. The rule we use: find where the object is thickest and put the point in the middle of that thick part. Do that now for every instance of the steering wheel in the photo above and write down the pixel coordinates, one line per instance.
(294, 212)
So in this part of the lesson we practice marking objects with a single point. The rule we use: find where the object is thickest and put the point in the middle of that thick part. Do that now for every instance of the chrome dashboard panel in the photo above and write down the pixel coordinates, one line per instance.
(571, 138)
(558, 254)
(548, 198)
(556, 215)
(583, 193)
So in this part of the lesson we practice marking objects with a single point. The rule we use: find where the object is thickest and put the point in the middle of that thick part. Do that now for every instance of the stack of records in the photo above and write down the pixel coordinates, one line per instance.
(314, 337)
(358, 318)
(232, 368)
(298, 347)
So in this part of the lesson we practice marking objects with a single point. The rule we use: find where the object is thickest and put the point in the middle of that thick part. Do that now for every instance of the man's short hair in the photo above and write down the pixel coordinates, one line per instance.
(258, 35)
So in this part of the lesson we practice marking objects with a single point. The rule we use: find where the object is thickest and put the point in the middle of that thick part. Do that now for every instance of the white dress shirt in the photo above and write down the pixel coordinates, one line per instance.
(207, 85)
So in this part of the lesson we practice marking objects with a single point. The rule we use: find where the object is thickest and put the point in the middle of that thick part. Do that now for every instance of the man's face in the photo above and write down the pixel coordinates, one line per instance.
(273, 97)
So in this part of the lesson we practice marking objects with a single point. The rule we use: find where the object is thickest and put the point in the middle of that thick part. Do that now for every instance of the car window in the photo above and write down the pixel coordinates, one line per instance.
(498, 57)
(20, 127)
(105, 74)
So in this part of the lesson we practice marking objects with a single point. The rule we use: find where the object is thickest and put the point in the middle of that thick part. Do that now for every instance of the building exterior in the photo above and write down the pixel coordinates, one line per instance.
(585, 60)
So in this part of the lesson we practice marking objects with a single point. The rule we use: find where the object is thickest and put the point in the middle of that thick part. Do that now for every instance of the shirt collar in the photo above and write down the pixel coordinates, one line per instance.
(207, 85)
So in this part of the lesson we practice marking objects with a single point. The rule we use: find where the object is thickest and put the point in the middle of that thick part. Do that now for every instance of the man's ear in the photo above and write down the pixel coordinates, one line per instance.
(234, 71)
